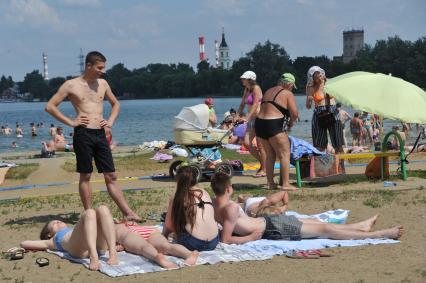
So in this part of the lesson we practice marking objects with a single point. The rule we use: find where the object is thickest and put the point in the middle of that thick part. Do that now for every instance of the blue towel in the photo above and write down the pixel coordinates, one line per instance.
(299, 148)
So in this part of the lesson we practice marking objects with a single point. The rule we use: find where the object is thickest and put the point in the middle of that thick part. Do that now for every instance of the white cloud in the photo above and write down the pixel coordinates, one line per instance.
(36, 14)
(32, 12)
(232, 7)
(82, 3)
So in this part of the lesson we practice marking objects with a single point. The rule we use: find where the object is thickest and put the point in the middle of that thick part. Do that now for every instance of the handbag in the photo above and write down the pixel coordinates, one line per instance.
(326, 118)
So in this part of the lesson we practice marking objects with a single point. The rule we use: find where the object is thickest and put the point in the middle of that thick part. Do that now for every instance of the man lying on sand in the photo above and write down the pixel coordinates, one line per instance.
(239, 228)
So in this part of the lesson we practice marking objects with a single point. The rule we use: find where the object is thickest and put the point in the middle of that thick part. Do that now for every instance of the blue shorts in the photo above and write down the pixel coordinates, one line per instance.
(195, 244)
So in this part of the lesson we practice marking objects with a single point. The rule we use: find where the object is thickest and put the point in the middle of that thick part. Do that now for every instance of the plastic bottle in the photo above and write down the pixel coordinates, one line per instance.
(389, 184)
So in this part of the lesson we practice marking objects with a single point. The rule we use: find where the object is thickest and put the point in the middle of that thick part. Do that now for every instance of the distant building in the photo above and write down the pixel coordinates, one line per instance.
(8, 95)
(353, 41)
(224, 60)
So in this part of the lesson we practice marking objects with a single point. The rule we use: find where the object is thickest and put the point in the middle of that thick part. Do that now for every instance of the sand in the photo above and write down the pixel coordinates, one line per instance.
(403, 262)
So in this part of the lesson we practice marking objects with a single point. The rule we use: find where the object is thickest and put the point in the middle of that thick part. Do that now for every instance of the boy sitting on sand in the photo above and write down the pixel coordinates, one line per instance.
(239, 228)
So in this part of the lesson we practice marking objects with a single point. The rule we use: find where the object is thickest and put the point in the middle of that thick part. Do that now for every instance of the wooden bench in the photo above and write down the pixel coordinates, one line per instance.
(368, 155)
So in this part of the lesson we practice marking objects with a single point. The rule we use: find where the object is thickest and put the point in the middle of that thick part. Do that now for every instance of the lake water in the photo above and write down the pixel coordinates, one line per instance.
(139, 120)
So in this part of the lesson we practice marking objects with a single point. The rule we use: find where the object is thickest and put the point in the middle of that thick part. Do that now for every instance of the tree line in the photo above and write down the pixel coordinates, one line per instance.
(402, 58)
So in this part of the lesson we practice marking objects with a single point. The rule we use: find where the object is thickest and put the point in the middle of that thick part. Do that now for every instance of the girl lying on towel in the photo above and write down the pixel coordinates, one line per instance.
(94, 231)
(148, 241)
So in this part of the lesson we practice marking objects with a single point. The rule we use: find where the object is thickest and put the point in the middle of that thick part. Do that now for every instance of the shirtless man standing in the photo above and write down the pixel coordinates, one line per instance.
(87, 93)
(239, 228)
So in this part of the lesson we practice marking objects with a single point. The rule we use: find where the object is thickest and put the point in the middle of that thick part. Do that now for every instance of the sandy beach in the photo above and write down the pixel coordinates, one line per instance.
(403, 204)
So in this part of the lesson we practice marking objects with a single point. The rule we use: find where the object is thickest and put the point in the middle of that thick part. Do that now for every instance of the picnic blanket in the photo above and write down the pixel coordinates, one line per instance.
(256, 250)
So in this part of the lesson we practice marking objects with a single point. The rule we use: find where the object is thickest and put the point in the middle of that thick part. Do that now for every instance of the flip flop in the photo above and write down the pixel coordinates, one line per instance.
(301, 255)
(320, 253)
(14, 253)
(259, 175)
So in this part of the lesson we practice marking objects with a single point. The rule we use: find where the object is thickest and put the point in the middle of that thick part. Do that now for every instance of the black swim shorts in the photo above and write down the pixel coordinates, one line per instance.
(89, 144)
(282, 227)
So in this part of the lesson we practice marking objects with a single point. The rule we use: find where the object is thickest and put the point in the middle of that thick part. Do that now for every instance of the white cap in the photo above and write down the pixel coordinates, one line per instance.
(248, 75)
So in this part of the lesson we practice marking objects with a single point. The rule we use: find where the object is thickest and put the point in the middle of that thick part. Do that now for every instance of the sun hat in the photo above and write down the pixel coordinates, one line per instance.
(288, 78)
(248, 75)
(312, 70)
(208, 101)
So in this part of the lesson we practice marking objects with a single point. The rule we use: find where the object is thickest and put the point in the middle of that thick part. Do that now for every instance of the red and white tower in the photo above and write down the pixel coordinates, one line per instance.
(202, 52)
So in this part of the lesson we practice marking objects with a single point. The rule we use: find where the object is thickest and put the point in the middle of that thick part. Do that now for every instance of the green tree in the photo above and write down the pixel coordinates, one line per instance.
(5, 83)
(269, 61)
(36, 85)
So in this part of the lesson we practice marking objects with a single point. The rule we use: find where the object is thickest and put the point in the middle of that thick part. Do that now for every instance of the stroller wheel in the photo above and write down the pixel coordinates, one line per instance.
(198, 172)
(224, 168)
(174, 167)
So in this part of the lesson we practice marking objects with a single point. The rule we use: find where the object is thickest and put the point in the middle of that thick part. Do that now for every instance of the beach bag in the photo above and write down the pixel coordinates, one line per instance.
(326, 118)
(374, 168)
(322, 166)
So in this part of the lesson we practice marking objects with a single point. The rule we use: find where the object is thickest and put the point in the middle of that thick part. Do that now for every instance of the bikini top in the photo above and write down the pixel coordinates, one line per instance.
(201, 203)
(58, 238)
(280, 108)
(250, 100)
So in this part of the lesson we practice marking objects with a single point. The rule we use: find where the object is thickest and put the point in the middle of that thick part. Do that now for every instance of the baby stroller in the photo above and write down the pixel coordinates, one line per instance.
(191, 130)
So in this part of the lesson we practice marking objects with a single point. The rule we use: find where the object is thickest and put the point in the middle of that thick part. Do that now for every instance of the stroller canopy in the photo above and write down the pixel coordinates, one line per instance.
(192, 118)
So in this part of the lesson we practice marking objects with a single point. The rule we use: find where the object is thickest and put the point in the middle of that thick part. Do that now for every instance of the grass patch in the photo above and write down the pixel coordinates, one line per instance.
(143, 161)
(417, 173)
(22, 171)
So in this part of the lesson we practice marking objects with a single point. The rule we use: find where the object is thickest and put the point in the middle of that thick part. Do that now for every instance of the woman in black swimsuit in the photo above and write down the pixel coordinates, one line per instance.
(277, 114)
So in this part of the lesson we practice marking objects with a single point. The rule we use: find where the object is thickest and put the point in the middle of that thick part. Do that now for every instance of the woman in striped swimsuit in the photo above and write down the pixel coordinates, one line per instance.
(148, 241)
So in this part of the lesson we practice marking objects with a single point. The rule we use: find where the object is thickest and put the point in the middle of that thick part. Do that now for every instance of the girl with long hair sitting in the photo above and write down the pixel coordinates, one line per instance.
(190, 214)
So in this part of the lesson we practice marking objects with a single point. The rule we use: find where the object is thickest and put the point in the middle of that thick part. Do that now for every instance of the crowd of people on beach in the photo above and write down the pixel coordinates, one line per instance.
(194, 221)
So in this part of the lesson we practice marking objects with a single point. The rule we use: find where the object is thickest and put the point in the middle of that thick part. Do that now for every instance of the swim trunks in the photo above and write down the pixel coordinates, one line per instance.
(282, 227)
(92, 144)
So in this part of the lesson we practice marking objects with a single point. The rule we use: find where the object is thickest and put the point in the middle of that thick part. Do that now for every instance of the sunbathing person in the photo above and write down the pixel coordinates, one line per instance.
(94, 231)
(239, 228)
(190, 214)
(60, 141)
(261, 206)
(148, 241)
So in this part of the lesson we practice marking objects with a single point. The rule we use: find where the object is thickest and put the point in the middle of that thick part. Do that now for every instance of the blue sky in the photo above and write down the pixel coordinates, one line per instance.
(137, 33)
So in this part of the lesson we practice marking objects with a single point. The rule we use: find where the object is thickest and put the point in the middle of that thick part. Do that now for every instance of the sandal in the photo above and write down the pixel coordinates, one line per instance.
(320, 253)
(259, 175)
(42, 261)
(301, 255)
(14, 253)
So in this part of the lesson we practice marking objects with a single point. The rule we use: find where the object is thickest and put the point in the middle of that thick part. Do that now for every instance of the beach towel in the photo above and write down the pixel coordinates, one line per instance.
(256, 250)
